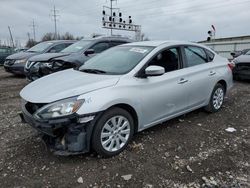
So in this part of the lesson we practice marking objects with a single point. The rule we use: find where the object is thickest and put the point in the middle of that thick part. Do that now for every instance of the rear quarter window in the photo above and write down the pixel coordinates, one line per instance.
(210, 55)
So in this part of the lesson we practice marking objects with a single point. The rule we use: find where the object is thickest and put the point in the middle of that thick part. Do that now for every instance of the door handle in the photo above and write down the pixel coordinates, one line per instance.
(212, 73)
(182, 81)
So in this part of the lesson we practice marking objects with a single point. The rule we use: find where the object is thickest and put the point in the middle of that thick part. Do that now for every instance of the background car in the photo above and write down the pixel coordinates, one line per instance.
(238, 53)
(71, 57)
(242, 67)
(124, 90)
(15, 63)
(5, 52)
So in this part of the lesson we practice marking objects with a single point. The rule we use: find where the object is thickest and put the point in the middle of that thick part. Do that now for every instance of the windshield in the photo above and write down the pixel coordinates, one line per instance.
(117, 60)
(78, 46)
(40, 47)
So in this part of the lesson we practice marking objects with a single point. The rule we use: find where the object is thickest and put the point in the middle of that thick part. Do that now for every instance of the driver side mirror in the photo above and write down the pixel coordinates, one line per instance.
(89, 52)
(154, 71)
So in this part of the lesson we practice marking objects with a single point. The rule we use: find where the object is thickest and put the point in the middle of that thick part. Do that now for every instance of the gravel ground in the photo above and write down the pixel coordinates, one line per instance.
(193, 150)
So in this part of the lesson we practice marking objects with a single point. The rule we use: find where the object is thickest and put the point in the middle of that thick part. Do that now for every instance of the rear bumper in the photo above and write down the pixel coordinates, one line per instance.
(17, 69)
(63, 136)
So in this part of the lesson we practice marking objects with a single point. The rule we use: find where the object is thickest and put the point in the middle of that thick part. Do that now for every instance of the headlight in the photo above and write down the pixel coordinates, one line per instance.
(23, 61)
(59, 109)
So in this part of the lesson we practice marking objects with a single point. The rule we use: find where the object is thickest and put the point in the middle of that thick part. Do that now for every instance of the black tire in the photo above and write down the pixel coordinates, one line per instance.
(211, 107)
(96, 136)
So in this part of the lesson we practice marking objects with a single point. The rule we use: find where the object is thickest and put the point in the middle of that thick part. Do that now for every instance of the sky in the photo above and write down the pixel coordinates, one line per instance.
(160, 19)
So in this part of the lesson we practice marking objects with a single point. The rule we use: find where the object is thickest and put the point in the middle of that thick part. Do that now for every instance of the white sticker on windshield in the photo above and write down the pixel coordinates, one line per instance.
(49, 43)
(79, 47)
(138, 50)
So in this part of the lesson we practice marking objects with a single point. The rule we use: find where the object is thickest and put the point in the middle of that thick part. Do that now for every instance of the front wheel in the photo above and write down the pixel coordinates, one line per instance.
(216, 99)
(112, 132)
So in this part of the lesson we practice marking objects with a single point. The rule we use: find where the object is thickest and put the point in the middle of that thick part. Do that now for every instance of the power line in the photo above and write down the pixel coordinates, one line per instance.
(55, 16)
(194, 9)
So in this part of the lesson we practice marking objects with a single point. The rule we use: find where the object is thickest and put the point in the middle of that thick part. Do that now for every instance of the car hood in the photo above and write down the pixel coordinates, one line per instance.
(65, 84)
(47, 56)
(243, 59)
(21, 55)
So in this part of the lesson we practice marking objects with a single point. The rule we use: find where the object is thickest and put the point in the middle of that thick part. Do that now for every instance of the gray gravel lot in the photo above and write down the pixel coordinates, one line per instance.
(193, 150)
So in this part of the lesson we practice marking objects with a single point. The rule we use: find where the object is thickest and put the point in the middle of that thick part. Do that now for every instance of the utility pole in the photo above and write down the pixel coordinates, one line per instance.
(55, 15)
(33, 26)
(28, 34)
(11, 37)
(111, 13)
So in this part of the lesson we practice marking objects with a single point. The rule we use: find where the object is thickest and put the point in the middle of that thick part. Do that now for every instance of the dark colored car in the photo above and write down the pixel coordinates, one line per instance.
(5, 52)
(71, 57)
(15, 63)
(242, 67)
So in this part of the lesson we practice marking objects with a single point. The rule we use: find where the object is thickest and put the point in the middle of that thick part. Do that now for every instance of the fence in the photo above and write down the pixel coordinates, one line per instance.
(225, 48)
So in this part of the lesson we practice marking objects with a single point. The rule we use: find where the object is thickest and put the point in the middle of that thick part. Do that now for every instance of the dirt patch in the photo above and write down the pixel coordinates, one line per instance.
(190, 151)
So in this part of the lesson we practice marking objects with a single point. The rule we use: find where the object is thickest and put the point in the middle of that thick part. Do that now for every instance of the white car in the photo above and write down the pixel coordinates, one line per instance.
(124, 90)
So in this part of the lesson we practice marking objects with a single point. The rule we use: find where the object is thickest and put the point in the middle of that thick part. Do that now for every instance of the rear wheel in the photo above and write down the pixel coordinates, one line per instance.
(112, 132)
(216, 99)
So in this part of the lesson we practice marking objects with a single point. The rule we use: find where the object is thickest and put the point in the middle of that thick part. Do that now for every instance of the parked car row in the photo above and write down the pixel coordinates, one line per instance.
(104, 101)
(52, 56)
(71, 57)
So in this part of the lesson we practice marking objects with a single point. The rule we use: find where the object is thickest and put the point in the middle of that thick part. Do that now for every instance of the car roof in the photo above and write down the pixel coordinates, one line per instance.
(113, 38)
(60, 41)
(160, 42)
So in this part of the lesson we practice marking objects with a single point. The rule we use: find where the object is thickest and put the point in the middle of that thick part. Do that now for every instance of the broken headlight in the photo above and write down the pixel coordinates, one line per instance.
(59, 109)
(48, 64)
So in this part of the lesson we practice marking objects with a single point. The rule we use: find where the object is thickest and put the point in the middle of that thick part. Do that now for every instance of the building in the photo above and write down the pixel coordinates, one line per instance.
(224, 46)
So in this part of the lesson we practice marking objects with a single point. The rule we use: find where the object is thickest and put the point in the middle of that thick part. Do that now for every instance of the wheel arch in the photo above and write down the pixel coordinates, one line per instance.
(130, 110)
(224, 84)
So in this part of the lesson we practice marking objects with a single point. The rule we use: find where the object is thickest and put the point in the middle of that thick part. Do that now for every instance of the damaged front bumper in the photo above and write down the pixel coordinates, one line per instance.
(64, 136)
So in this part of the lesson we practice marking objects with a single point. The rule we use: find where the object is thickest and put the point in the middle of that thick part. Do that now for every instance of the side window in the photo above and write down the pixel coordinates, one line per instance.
(210, 55)
(195, 56)
(57, 48)
(100, 47)
(168, 59)
(116, 43)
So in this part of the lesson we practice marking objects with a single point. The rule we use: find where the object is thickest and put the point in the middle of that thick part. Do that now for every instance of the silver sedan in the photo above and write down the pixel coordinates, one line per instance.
(122, 91)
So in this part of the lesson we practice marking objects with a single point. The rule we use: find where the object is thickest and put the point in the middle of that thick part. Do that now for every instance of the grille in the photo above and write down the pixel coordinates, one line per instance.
(33, 107)
(29, 64)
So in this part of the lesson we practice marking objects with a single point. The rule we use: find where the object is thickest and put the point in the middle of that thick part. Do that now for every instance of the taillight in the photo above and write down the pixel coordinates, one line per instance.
(231, 65)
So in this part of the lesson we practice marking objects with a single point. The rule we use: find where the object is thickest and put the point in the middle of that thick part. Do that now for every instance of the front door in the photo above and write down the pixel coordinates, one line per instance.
(164, 96)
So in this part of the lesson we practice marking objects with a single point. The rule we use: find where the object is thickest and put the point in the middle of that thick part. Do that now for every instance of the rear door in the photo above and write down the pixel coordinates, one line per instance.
(200, 74)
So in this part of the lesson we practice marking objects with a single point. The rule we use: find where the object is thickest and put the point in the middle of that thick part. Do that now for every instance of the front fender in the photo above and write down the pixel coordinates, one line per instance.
(101, 100)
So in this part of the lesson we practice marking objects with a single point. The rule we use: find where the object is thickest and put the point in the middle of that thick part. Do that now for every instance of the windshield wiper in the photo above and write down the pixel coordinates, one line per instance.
(94, 71)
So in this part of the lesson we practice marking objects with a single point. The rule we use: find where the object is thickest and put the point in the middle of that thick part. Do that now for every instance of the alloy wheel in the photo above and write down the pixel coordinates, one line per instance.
(218, 98)
(115, 133)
